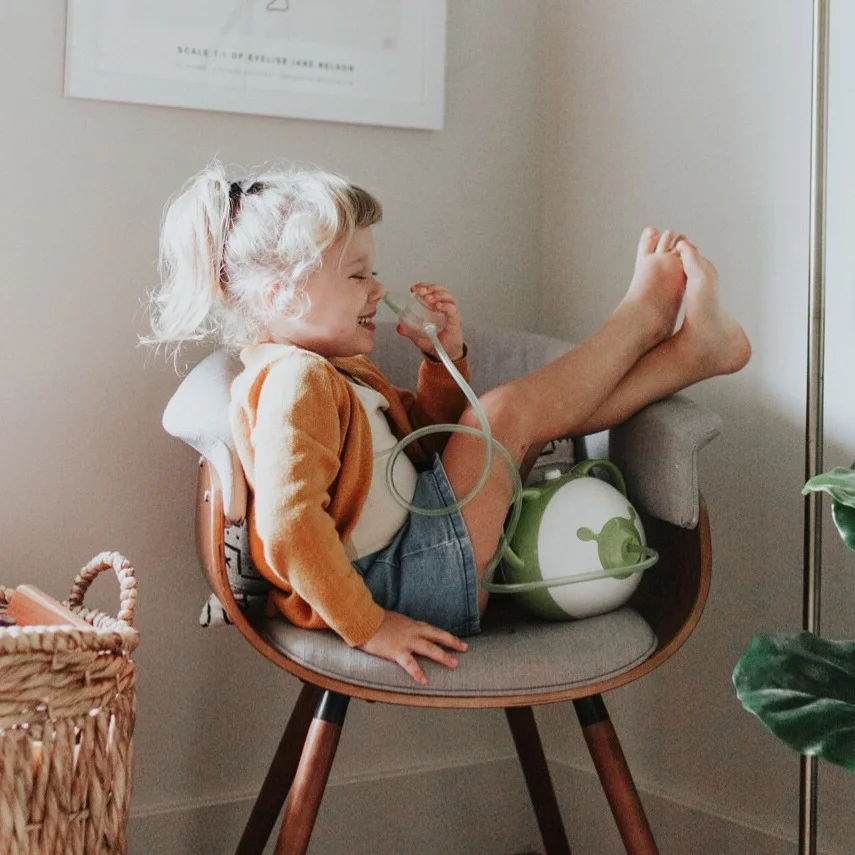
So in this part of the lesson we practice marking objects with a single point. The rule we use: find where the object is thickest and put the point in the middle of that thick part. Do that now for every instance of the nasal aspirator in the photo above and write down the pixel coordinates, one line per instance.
(412, 312)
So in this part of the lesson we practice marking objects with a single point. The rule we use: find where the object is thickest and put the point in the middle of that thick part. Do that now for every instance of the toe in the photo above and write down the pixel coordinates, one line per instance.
(666, 241)
(689, 254)
(649, 239)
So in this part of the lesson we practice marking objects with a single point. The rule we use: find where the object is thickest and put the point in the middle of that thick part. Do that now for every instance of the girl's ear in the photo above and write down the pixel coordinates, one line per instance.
(285, 299)
(277, 298)
(269, 294)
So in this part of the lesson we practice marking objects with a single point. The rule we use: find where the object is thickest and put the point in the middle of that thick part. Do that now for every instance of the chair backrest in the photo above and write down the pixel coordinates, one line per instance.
(198, 413)
(496, 355)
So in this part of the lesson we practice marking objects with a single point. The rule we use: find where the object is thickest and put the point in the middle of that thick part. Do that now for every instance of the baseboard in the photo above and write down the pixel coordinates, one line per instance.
(475, 809)
(680, 827)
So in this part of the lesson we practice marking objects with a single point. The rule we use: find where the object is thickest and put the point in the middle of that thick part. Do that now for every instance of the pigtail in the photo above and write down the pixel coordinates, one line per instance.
(192, 241)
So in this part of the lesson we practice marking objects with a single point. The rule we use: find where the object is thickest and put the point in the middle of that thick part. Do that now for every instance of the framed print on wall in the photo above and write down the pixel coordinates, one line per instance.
(376, 62)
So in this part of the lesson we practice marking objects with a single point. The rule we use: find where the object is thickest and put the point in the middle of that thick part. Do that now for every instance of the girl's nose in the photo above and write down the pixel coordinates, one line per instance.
(378, 292)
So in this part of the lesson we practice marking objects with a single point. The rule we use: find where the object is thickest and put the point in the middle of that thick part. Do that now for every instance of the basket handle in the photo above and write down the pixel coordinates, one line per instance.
(127, 583)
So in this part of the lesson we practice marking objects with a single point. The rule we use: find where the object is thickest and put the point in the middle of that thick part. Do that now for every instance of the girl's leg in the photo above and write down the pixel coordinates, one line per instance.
(607, 374)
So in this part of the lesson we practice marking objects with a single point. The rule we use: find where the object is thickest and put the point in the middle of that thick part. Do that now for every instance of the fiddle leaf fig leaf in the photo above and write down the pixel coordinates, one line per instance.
(839, 483)
(844, 519)
(802, 687)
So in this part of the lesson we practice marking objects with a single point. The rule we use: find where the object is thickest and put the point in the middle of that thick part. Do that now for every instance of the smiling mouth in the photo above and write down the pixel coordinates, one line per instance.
(365, 320)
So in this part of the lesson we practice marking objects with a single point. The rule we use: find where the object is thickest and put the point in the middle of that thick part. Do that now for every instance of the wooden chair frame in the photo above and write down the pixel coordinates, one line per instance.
(671, 600)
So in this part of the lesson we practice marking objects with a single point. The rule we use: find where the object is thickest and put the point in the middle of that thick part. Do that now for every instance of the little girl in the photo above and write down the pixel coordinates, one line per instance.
(282, 266)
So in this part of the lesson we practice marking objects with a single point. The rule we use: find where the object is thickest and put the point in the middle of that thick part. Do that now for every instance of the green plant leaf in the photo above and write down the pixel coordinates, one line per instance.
(802, 687)
(839, 483)
(844, 519)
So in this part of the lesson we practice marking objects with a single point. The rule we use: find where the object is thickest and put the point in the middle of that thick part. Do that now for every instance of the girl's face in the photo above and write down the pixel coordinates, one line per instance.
(343, 297)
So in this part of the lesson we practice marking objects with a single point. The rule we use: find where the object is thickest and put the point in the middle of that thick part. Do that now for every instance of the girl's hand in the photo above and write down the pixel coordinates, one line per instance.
(440, 299)
(400, 637)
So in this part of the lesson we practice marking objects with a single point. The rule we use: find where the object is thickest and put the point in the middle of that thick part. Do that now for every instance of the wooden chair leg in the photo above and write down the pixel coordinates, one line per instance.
(537, 778)
(615, 776)
(280, 775)
(304, 800)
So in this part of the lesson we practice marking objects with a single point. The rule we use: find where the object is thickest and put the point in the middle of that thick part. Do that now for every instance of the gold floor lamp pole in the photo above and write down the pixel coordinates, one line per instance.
(815, 383)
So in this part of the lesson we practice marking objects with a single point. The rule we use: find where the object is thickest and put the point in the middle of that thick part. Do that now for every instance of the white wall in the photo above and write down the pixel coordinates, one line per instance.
(696, 116)
(85, 463)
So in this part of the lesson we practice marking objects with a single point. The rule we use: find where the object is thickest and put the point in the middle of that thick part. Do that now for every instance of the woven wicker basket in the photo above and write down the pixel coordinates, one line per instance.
(67, 708)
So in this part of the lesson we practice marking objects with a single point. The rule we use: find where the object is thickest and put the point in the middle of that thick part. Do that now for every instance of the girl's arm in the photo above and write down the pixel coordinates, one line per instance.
(437, 398)
(295, 440)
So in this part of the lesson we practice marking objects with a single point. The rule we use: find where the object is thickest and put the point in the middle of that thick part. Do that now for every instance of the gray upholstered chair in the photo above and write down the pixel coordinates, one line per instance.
(517, 662)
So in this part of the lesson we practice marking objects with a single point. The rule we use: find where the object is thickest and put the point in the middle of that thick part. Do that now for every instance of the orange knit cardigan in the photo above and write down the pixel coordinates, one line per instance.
(305, 444)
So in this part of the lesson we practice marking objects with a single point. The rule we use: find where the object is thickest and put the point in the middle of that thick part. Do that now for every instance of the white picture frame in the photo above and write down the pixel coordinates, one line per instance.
(375, 62)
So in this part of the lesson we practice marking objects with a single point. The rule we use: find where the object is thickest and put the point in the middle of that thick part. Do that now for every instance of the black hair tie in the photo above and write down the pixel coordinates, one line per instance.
(235, 194)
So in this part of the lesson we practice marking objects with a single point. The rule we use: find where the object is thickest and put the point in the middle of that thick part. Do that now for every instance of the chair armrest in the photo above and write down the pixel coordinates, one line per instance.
(657, 451)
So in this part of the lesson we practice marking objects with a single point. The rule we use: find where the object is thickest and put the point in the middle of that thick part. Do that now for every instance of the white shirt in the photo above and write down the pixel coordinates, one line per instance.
(381, 516)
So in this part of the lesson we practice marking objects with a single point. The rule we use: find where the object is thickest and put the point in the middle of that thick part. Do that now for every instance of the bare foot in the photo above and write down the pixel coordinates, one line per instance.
(710, 338)
(658, 283)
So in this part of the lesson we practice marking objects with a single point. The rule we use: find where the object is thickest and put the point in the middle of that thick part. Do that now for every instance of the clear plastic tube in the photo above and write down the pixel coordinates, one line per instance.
(485, 432)
(418, 316)
(413, 313)
(647, 558)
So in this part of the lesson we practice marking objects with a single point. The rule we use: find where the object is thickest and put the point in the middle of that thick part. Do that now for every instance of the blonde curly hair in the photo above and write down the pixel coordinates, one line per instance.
(233, 254)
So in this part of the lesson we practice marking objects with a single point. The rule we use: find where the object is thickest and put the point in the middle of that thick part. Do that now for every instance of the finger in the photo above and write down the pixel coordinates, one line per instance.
(437, 297)
(409, 664)
(413, 335)
(430, 292)
(405, 331)
(423, 288)
(432, 298)
(446, 639)
(433, 651)
(449, 309)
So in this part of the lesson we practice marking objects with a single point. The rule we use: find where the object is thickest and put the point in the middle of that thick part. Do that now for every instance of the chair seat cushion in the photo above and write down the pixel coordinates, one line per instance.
(514, 654)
